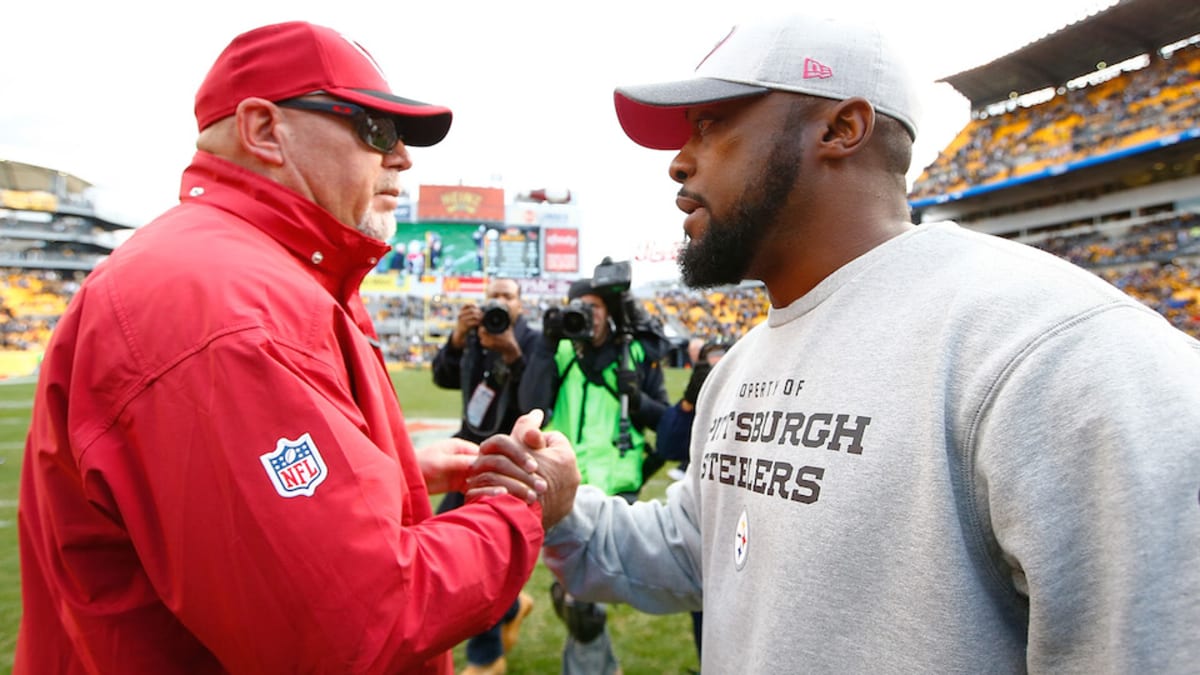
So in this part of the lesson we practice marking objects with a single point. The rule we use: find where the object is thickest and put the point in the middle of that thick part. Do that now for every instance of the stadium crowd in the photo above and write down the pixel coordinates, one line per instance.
(1172, 289)
(1158, 262)
(1156, 240)
(31, 302)
(1133, 108)
(722, 315)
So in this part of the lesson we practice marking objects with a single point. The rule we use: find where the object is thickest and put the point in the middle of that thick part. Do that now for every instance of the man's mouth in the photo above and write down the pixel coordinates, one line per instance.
(694, 208)
(687, 204)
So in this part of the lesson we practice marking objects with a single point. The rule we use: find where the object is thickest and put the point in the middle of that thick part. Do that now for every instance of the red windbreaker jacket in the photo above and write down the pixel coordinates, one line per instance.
(217, 476)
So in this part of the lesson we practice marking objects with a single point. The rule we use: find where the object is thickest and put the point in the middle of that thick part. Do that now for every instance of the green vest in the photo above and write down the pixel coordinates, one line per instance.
(589, 414)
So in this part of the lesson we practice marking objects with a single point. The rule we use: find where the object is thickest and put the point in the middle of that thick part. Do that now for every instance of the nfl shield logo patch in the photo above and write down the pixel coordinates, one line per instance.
(295, 467)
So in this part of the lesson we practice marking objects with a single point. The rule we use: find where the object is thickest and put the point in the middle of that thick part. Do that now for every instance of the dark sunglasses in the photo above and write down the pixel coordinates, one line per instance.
(375, 129)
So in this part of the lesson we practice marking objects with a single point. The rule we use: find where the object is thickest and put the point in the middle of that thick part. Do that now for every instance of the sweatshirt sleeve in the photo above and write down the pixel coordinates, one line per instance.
(351, 576)
(645, 554)
(1086, 475)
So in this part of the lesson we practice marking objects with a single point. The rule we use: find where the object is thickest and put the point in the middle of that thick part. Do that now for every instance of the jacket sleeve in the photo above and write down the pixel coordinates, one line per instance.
(447, 363)
(539, 381)
(528, 340)
(351, 577)
(654, 395)
(673, 436)
(645, 554)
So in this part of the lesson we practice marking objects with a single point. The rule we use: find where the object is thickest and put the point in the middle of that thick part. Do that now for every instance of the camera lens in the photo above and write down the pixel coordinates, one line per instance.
(495, 318)
(577, 320)
(574, 323)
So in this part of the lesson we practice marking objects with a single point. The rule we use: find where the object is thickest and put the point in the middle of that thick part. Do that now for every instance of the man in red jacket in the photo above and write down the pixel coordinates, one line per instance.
(217, 476)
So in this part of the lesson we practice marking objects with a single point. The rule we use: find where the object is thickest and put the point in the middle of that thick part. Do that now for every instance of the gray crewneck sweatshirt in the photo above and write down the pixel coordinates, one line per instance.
(955, 454)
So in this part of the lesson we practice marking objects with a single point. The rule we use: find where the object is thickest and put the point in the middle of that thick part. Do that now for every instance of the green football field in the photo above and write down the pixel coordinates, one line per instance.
(643, 643)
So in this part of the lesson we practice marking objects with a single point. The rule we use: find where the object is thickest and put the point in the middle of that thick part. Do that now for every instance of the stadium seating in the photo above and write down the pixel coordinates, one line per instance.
(31, 301)
(1131, 109)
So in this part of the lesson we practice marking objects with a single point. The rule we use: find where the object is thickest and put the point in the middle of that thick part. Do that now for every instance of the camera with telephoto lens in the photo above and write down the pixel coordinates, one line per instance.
(495, 317)
(574, 320)
(577, 320)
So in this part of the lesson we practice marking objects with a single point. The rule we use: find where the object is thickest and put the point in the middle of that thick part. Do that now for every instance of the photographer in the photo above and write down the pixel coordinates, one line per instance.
(597, 375)
(485, 357)
(674, 432)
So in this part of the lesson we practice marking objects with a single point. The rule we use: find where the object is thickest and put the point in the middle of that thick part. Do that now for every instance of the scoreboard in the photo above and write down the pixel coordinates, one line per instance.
(513, 251)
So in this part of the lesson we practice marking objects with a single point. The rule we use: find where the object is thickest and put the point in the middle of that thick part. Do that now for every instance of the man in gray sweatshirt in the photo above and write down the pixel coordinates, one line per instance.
(943, 451)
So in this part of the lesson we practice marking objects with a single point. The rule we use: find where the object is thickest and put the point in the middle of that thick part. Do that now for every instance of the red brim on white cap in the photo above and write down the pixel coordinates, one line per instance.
(655, 115)
(420, 124)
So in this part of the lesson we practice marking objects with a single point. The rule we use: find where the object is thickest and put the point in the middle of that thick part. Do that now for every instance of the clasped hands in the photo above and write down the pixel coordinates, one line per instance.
(528, 463)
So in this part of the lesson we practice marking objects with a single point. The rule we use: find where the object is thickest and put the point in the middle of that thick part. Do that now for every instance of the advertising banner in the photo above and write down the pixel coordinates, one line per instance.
(472, 286)
(562, 250)
(458, 203)
(553, 289)
(385, 284)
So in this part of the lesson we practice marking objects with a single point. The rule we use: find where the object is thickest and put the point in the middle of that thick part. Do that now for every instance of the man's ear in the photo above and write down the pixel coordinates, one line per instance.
(850, 124)
(258, 129)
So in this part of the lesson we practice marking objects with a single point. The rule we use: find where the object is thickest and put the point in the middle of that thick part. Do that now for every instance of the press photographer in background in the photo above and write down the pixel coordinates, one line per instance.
(484, 357)
(674, 431)
(597, 376)
(674, 434)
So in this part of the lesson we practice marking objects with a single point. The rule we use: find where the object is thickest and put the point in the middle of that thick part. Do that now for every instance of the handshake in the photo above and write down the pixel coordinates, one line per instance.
(528, 463)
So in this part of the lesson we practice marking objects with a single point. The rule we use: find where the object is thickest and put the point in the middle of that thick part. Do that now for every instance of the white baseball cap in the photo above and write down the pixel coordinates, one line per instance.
(817, 56)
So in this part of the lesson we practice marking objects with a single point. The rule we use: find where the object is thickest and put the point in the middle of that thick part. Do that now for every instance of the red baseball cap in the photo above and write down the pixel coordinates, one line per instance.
(287, 60)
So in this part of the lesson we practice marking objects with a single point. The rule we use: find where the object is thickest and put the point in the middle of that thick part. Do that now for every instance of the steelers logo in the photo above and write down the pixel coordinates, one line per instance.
(741, 541)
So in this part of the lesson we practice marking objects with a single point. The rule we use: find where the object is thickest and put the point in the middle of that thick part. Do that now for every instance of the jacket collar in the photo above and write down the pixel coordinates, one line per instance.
(337, 255)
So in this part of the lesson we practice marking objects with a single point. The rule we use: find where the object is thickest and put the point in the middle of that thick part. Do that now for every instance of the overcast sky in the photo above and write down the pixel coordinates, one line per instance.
(105, 89)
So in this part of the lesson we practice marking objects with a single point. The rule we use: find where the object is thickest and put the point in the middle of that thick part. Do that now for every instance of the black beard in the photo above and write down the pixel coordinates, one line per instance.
(723, 253)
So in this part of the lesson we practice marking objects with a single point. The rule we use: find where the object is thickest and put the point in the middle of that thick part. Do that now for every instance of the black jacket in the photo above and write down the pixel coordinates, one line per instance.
(465, 369)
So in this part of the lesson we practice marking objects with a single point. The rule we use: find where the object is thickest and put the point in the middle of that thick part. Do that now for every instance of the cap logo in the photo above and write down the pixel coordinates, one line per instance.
(716, 47)
(814, 68)
(295, 467)
(370, 59)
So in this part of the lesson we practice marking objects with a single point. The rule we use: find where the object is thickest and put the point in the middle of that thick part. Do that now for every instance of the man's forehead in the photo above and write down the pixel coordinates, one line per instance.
(504, 287)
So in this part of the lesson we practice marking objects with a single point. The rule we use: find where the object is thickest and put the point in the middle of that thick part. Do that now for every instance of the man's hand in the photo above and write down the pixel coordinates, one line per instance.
(504, 344)
(528, 463)
(469, 318)
(556, 462)
(505, 466)
(445, 464)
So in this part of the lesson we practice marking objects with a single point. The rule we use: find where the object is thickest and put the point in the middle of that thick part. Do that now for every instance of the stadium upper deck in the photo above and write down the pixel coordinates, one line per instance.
(48, 220)
(1060, 139)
